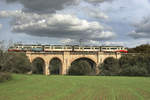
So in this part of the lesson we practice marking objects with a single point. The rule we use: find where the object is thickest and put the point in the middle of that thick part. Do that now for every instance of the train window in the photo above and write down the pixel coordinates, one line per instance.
(114, 48)
(11, 47)
(87, 48)
(107, 48)
(69, 48)
(27, 47)
(103, 48)
(58, 47)
(47, 47)
(96, 48)
(76, 47)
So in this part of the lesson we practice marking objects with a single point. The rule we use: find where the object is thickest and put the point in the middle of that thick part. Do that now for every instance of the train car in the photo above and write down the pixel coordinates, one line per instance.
(25, 48)
(123, 51)
(16, 48)
(11, 49)
(108, 49)
(120, 49)
(37, 48)
(86, 48)
(68, 48)
(49, 48)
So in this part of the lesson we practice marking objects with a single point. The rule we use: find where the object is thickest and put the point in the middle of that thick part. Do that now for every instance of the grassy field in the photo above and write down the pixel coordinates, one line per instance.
(38, 87)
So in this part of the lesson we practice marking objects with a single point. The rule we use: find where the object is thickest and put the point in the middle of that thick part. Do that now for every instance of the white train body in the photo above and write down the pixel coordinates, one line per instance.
(49, 48)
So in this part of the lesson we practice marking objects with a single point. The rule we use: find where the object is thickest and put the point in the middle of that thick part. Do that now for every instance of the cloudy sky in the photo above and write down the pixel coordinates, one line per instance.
(94, 22)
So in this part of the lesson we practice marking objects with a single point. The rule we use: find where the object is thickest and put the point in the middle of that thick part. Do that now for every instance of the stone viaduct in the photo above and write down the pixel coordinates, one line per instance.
(67, 57)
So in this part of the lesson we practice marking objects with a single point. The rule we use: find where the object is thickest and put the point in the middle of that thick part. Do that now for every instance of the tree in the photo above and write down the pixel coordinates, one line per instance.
(12, 61)
(135, 70)
(3, 75)
(38, 66)
(110, 67)
(145, 48)
(55, 66)
(15, 63)
(80, 67)
(133, 65)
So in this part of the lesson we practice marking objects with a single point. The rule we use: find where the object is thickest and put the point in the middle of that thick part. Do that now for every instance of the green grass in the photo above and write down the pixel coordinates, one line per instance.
(38, 87)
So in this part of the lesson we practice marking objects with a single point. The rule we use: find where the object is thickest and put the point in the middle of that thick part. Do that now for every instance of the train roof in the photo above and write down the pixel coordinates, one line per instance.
(112, 46)
(62, 45)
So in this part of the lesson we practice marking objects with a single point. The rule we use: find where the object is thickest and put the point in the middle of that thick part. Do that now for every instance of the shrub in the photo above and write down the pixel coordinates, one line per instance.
(134, 71)
(55, 66)
(80, 68)
(37, 66)
(110, 67)
(15, 63)
(5, 76)
(126, 66)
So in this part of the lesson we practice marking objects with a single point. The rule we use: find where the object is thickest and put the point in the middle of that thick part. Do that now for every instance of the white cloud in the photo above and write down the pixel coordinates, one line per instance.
(1, 26)
(101, 43)
(5, 14)
(98, 1)
(136, 42)
(109, 43)
(57, 25)
(104, 43)
(95, 13)
(142, 29)
(92, 42)
(67, 41)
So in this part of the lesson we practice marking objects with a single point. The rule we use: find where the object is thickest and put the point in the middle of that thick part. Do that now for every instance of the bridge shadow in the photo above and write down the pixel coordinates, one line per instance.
(89, 61)
(55, 66)
(38, 66)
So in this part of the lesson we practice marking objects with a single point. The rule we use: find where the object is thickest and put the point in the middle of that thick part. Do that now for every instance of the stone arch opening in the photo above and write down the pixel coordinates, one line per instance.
(38, 66)
(55, 66)
(90, 62)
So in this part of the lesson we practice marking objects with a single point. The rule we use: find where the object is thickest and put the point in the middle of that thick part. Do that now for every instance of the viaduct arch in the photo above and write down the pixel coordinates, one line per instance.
(67, 57)
(58, 68)
(40, 68)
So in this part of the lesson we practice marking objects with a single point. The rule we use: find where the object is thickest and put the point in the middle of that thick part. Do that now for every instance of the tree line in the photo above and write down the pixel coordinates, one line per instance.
(137, 65)
(144, 48)
(127, 65)
(11, 62)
